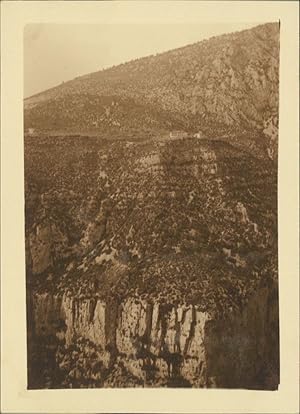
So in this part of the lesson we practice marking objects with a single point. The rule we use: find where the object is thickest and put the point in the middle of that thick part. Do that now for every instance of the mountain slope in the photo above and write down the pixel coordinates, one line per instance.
(122, 234)
(152, 261)
(223, 86)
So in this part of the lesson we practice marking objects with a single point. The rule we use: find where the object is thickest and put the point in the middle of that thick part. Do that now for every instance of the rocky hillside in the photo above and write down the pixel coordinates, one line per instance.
(152, 224)
(226, 86)
(152, 261)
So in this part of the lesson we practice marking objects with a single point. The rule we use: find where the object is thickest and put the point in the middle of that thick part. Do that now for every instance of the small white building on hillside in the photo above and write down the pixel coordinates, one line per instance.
(178, 134)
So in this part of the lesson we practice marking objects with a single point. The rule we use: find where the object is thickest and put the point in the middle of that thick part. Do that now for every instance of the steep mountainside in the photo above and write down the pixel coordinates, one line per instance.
(224, 86)
(128, 226)
(150, 260)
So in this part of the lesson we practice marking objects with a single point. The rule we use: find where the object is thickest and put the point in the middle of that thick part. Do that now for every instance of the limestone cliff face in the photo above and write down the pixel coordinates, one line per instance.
(173, 340)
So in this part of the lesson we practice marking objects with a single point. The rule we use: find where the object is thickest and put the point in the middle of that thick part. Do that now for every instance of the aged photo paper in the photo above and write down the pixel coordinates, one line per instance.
(149, 226)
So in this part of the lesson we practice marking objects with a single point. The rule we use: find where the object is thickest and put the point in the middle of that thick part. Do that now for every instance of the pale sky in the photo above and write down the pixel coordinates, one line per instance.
(54, 53)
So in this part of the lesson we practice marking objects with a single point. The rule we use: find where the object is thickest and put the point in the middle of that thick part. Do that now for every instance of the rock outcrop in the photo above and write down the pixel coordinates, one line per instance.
(48, 244)
(175, 341)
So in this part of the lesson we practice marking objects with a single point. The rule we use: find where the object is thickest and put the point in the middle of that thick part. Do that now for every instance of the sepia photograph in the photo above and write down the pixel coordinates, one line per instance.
(151, 226)
(149, 207)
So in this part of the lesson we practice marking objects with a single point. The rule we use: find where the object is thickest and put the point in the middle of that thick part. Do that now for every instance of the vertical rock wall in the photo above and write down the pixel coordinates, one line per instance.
(239, 351)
